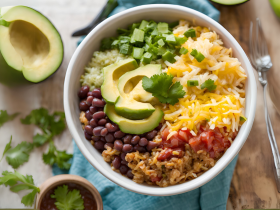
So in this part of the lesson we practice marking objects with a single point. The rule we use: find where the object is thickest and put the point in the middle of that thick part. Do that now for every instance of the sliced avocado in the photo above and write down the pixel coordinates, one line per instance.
(134, 126)
(112, 74)
(229, 2)
(126, 105)
(31, 48)
(275, 4)
(139, 94)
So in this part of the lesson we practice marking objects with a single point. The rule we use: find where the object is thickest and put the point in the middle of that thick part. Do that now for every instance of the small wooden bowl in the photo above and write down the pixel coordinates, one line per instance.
(67, 178)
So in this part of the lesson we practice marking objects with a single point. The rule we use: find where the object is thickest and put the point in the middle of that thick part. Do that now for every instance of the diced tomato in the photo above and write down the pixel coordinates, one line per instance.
(185, 135)
(155, 179)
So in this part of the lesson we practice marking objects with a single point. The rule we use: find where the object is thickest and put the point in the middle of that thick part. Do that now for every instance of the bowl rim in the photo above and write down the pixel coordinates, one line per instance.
(214, 171)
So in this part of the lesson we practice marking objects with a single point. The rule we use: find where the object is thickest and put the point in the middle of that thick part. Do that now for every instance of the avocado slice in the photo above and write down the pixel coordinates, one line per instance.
(31, 48)
(111, 75)
(134, 126)
(275, 4)
(126, 105)
(229, 2)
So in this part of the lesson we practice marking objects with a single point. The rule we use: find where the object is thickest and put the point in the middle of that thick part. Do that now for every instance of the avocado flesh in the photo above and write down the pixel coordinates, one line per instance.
(275, 4)
(134, 126)
(111, 76)
(30, 45)
(229, 2)
(126, 105)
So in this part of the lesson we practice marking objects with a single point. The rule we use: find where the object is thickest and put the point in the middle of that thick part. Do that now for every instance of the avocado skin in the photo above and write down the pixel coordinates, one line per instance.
(230, 4)
(134, 126)
(140, 114)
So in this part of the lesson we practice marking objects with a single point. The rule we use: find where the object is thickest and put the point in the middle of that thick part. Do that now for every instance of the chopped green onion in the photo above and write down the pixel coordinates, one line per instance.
(192, 83)
(122, 31)
(148, 39)
(172, 25)
(162, 28)
(209, 84)
(143, 24)
(190, 33)
(152, 49)
(115, 44)
(147, 57)
(164, 175)
(242, 118)
(197, 55)
(106, 44)
(137, 53)
(125, 49)
(183, 51)
(161, 50)
(137, 36)
(160, 42)
(168, 56)
(171, 39)
(181, 40)
(135, 25)
(162, 166)
(155, 32)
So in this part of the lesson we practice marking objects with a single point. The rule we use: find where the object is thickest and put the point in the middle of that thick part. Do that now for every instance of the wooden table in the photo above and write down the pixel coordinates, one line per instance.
(253, 183)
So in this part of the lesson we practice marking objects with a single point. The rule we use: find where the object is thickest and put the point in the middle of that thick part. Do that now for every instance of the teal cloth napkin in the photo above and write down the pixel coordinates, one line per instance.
(212, 195)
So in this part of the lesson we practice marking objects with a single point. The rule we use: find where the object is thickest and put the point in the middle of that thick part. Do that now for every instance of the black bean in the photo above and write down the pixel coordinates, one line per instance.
(89, 100)
(109, 138)
(143, 142)
(97, 130)
(97, 93)
(116, 162)
(123, 156)
(123, 169)
(98, 102)
(143, 134)
(83, 92)
(104, 132)
(139, 149)
(102, 138)
(127, 148)
(151, 134)
(99, 145)
(102, 121)
(109, 145)
(98, 115)
(88, 115)
(124, 162)
(119, 134)
(135, 140)
(89, 93)
(92, 109)
(100, 108)
(83, 106)
(88, 129)
(129, 174)
(151, 145)
(127, 139)
(118, 145)
(95, 138)
(92, 123)
(159, 127)
(87, 136)
(111, 127)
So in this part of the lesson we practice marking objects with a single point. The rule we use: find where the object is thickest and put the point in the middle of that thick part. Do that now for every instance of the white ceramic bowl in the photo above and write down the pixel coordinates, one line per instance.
(82, 55)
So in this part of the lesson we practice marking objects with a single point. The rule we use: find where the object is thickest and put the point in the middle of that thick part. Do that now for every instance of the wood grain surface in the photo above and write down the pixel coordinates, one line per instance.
(253, 184)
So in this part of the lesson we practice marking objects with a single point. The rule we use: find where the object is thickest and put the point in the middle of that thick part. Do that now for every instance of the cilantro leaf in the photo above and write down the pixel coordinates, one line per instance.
(7, 148)
(209, 84)
(19, 154)
(54, 156)
(162, 87)
(5, 117)
(40, 139)
(68, 200)
(18, 182)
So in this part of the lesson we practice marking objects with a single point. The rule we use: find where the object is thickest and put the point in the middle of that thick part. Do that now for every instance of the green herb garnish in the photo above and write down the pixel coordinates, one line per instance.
(162, 87)
(192, 83)
(183, 51)
(168, 56)
(18, 182)
(5, 117)
(197, 55)
(209, 84)
(68, 200)
(242, 118)
(190, 33)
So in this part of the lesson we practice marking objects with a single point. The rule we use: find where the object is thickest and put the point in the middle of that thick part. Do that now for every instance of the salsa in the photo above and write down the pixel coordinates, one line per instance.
(89, 201)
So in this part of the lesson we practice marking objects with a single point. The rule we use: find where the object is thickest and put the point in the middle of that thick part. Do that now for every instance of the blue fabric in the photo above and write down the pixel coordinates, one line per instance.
(212, 195)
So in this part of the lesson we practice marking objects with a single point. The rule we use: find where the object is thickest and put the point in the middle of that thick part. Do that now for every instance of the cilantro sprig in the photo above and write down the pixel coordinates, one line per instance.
(5, 117)
(209, 84)
(162, 87)
(68, 200)
(18, 182)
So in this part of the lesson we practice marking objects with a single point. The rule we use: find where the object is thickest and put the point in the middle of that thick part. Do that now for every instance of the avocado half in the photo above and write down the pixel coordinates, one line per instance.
(229, 2)
(31, 48)
(275, 4)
